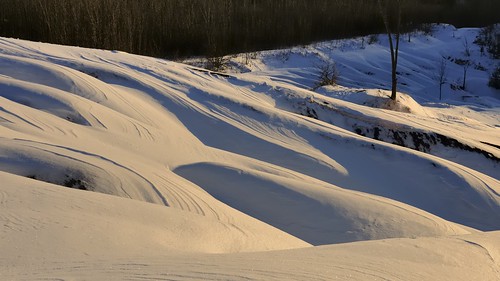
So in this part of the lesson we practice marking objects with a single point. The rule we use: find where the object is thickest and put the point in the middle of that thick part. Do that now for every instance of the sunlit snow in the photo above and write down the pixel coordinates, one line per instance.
(116, 166)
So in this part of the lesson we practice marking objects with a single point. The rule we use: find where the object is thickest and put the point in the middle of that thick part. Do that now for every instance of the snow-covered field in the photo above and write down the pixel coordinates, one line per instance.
(122, 167)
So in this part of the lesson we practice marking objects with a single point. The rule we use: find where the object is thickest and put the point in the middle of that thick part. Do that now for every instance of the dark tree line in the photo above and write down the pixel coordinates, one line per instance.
(173, 28)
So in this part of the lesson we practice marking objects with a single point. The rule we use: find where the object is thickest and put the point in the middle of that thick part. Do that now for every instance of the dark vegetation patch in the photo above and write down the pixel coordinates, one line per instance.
(359, 132)
(451, 142)
(91, 73)
(421, 141)
(495, 79)
(405, 137)
(399, 137)
(74, 183)
(310, 112)
(489, 40)
(71, 181)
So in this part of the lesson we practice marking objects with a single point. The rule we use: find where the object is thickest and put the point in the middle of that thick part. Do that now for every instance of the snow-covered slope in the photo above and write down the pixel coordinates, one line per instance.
(363, 63)
(61, 234)
(200, 163)
(68, 222)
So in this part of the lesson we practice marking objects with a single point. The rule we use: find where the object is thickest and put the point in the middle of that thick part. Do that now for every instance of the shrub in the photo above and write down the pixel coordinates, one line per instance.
(427, 29)
(284, 55)
(327, 74)
(216, 63)
(372, 39)
(495, 79)
(75, 183)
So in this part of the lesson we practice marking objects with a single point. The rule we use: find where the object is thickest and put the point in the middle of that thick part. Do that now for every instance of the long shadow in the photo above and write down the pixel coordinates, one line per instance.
(412, 179)
(216, 133)
(272, 203)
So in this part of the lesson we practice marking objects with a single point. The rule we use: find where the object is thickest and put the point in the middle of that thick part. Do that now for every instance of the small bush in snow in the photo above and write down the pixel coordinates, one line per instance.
(75, 183)
(441, 75)
(327, 74)
(372, 39)
(216, 63)
(284, 55)
(427, 29)
(480, 67)
(495, 79)
(248, 57)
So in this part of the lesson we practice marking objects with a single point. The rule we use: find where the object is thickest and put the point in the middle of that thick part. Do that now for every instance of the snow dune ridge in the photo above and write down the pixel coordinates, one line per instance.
(198, 163)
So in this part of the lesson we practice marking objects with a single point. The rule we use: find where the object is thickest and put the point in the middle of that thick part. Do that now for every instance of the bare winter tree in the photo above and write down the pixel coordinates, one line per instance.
(466, 47)
(441, 75)
(465, 63)
(390, 10)
(328, 74)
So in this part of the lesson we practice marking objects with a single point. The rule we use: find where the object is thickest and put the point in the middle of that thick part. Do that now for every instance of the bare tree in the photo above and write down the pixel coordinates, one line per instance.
(466, 47)
(441, 75)
(390, 10)
(328, 74)
(465, 63)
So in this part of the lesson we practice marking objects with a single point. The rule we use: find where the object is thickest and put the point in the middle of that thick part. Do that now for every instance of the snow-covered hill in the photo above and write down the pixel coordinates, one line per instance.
(363, 69)
(199, 163)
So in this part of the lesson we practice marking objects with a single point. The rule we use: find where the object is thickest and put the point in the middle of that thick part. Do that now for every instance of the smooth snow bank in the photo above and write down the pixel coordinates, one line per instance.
(50, 221)
(53, 233)
(471, 257)
(313, 211)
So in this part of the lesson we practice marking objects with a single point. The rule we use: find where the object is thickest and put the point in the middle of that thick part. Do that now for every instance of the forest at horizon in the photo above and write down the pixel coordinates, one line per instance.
(180, 28)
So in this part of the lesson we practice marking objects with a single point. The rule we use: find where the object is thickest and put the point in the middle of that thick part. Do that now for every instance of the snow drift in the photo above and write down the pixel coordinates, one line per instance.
(198, 163)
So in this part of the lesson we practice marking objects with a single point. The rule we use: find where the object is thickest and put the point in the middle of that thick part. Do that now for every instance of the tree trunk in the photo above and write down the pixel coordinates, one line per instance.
(394, 46)
(394, 87)
(465, 77)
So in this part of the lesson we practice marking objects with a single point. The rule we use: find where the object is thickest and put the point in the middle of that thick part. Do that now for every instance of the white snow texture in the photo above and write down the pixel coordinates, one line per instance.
(122, 167)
